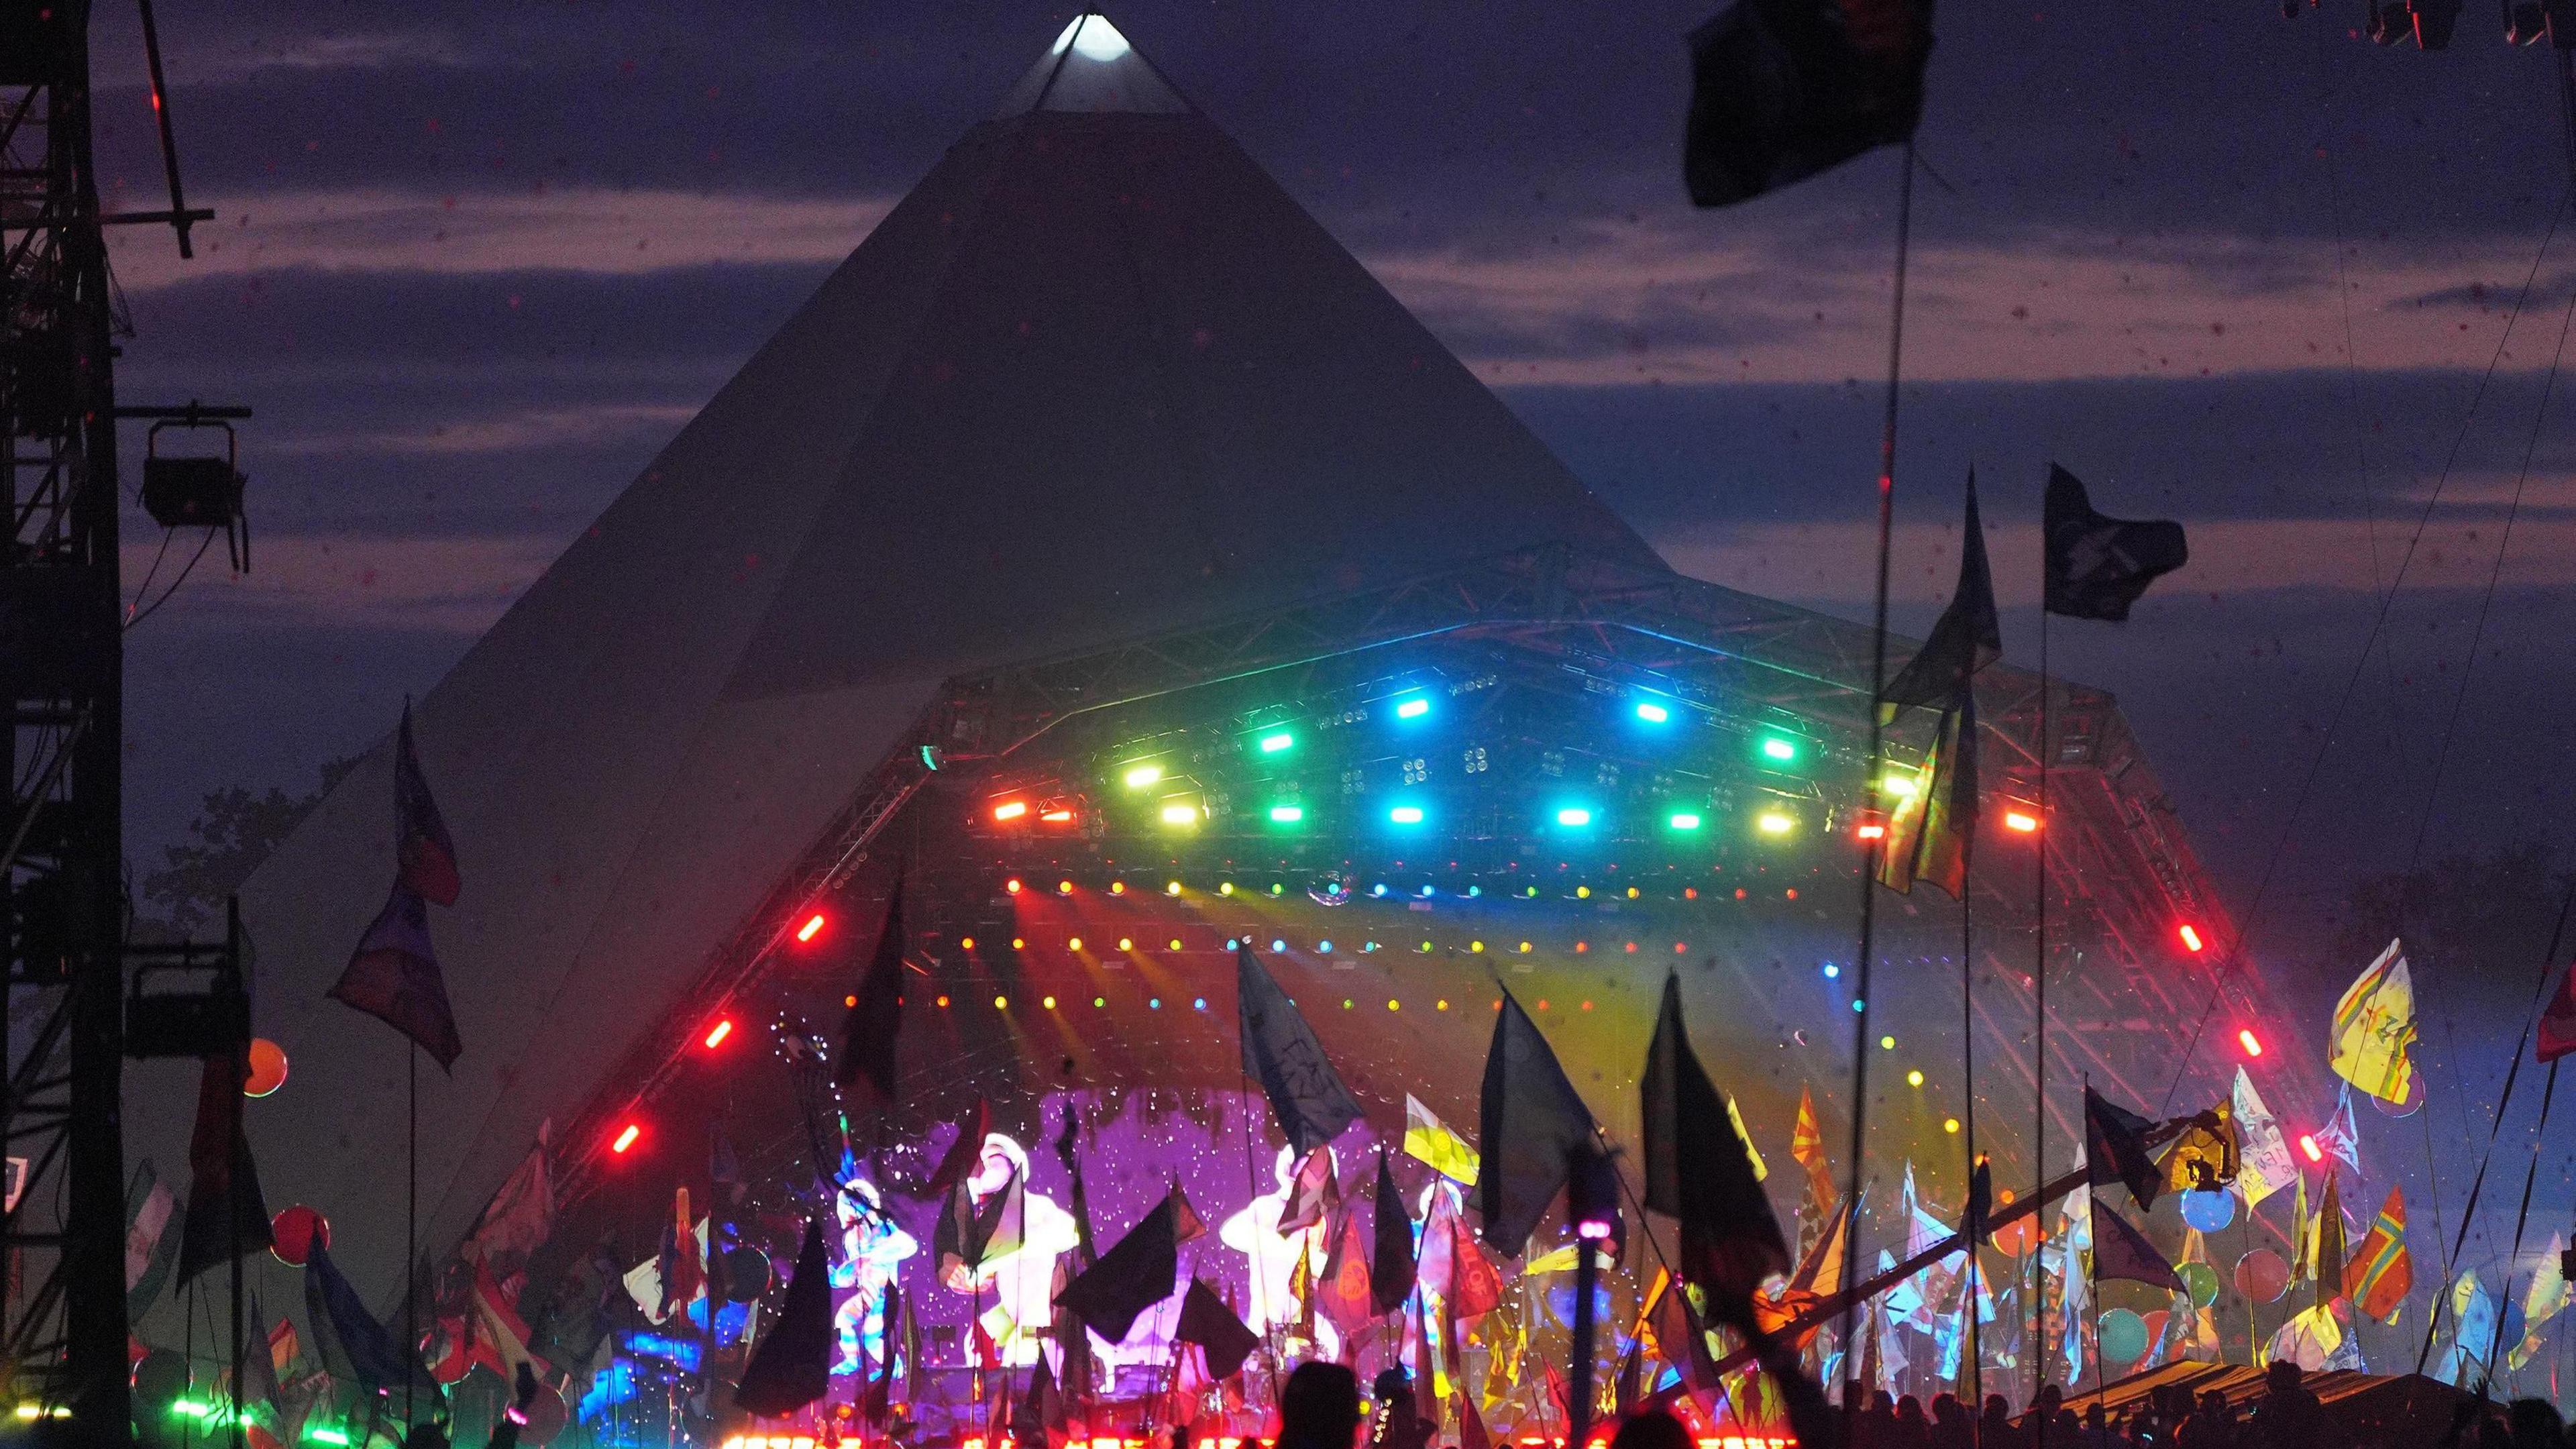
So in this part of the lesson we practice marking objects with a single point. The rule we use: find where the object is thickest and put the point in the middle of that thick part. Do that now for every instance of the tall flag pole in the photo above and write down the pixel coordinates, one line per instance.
(2092, 567)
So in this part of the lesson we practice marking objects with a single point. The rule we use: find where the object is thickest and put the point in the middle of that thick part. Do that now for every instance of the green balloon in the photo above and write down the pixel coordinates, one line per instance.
(2201, 1281)
(2124, 1337)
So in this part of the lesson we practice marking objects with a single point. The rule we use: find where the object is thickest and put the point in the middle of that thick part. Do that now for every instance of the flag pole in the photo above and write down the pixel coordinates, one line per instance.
(411, 1228)
(2039, 1031)
(1968, 1071)
(1877, 730)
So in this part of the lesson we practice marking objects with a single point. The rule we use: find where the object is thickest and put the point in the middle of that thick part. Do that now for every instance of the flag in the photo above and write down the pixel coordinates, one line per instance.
(425, 859)
(1456, 1271)
(2542, 1301)
(875, 1018)
(1667, 1323)
(1471, 1425)
(792, 1366)
(2558, 1021)
(1807, 1147)
(2373, 1025)
(2378, 1277)
(1343, 1294)
(1429, 1140)
(393, 976)
(2330, 1244)
(521, 1216)
(2124, 1252)
(1313, 1191)
(681, 1266)
(2266, 1165)
(227, 1217)
(1699, 1171)
(1131, 1277)
(1966, 638)
(1391, 1271)
(2316, 1339)
(1784, 89)
(2303, 1241)
(1928, 830)
(2097, 566)
(263, 1411)
(497, 1324)
(1529, 1123)
(149, 1204)
(1281, 1053)
(354, 1348)
(2115, 1149)
(2340, 1138)
(2206, 1156)
(969, 1234)
(2473, 1333)
(1187, 1225)
(1207, 1322)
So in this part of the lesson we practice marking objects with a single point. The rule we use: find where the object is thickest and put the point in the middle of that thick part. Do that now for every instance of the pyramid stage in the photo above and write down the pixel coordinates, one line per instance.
(1106, 553)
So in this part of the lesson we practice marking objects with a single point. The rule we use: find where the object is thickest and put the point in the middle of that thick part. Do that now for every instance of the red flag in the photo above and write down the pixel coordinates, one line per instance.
(1471, 1425)
(425, 857)
(1474, 1287)
(1807, 1146)
(2558, 1022)
(1343, 1294)
(227, 1216)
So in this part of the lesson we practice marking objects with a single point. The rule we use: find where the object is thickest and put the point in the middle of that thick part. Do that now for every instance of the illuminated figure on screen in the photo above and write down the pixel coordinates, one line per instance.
(1024, 1233)
(1254, 1232)
(871, 1249)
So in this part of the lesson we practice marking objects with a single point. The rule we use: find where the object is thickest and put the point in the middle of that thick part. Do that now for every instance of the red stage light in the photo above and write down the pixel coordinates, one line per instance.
(1010, 810)
(2253, 1044)
(813, 927)
(1057, 817)
(2309, 1146)
(2021, 821)
(1873, 832)
(1012, 885)
(626, 1137)
(2190, 937)
(716, 1035)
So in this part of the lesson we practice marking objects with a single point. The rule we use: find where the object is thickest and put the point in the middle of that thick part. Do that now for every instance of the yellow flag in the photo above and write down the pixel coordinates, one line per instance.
(2374, 1023)
(1429, 1140)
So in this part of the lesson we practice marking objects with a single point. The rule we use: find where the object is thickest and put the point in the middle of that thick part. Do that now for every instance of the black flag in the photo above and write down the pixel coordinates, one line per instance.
(792, 1366)
(1207, 1322)
(1529, 1122)
(1966, 638)
(2121, 1251)
(1129, 1278)
(1700, 1171)
(2115, 1149)
(2097, 566)
(1783, 89)
(227, 1217)
(1391, 1267)
(868, 1031)
(425, 857)
(1039, 1409)
(1281, 1053)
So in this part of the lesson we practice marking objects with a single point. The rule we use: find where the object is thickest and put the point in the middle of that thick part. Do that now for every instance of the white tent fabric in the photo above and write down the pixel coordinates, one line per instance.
(1097, 375)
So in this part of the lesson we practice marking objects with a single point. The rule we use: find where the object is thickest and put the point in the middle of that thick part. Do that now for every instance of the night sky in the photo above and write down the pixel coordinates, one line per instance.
(474, 265)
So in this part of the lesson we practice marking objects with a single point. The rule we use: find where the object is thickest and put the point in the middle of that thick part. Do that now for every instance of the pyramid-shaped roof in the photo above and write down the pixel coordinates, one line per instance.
(1096, 376)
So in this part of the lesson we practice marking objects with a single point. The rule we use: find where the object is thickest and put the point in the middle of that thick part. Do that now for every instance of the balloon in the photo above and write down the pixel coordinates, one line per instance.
(2262, 1277)
(546, 1418)
(160, 1378)
(2209, 1211)
(2124, 1337)
(2413, 1104)
(2199, 1280)
(267, 1068)
(295, 1231)
(2015, 1239)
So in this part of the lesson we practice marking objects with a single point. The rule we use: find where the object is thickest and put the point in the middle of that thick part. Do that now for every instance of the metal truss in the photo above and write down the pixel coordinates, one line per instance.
(2119, 855)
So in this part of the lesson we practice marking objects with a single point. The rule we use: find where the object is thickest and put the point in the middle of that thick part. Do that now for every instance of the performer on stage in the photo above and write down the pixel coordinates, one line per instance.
(1023, 1234)
(872, 1247)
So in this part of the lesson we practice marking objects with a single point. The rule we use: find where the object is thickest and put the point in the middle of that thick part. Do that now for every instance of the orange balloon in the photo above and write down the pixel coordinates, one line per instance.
(2016, 1238)
(267, 1068)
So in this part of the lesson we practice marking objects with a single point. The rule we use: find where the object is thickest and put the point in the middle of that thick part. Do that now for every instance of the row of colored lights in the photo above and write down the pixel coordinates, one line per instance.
(1379, 891)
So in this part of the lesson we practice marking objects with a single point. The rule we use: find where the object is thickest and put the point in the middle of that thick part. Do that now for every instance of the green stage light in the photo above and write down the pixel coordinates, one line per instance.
(1276, 743)
(1140, 776)
(1287, 814)
(1779, 750)
(1574, 816)
(1684, 820)
(1414, 708)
